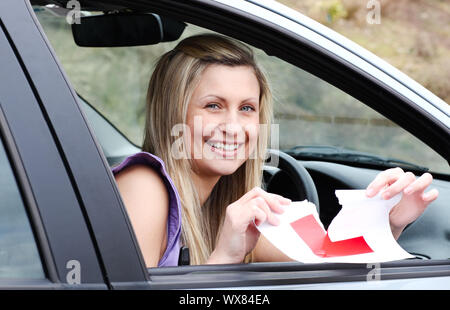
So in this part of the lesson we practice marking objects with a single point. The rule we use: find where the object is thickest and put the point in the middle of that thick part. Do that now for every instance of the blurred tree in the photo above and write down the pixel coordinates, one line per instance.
(414, 35)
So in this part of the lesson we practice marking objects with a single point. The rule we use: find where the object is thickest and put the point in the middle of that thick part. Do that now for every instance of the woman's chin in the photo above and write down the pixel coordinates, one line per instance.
(223, 167)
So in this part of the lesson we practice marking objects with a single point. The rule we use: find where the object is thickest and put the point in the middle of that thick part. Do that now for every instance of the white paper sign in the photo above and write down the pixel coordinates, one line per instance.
(360, 232)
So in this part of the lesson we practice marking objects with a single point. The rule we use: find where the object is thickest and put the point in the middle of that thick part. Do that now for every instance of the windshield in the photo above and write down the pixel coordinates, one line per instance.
(307, 110)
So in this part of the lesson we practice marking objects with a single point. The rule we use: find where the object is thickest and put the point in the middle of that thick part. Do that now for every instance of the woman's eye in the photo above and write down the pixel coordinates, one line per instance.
(248, 108)
(212, 106)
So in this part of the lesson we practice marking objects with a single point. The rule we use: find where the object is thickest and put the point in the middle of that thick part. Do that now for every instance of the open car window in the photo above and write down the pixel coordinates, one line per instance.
(316, 120)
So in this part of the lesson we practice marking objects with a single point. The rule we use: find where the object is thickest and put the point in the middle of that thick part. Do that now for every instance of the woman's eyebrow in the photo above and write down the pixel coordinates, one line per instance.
(223, 99)
(251, 99)
(215, 96)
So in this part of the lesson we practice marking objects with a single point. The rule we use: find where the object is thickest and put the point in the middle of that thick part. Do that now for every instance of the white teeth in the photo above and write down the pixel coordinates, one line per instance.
(226, 147)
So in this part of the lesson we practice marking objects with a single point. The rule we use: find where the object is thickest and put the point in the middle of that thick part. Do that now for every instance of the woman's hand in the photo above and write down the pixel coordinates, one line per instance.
(414, 200)
(239, 235)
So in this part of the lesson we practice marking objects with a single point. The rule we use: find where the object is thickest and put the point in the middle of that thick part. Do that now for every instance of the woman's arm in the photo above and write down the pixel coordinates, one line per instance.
(147, 202)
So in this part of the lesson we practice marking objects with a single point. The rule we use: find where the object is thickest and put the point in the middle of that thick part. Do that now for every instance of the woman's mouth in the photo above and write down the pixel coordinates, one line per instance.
(224, 149)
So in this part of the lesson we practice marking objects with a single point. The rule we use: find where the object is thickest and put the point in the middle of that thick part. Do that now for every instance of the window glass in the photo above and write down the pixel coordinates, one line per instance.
(309, 111)
(19, 257)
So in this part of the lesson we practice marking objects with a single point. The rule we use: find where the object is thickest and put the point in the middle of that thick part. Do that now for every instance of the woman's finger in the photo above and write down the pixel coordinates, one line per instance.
(420, 184)
(262, 204)
(430, 195)
(384, 178)
(254, 192)
(271, 199)
(257, 214)
(239, 216)
(281, 199)
(398, 186)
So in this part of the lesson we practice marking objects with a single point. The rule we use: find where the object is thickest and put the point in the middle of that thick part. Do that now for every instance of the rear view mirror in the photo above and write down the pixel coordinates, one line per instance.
(125, 29)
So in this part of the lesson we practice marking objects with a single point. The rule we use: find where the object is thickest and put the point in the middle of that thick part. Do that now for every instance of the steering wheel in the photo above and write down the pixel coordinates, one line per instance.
(302, 185)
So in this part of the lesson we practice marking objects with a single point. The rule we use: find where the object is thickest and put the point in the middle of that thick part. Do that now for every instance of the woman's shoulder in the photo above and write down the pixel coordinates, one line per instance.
(140, 181)
(146, 170)
(140, 159)
(143, 184)
(142, 177)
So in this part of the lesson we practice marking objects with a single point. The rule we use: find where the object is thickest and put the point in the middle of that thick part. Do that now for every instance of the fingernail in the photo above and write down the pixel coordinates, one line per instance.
(370, 191)
(408, 190)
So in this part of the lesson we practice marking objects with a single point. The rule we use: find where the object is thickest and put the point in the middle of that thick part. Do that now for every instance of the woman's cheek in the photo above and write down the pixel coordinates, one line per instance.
(198, 142)
(252, 132)
(198, 132)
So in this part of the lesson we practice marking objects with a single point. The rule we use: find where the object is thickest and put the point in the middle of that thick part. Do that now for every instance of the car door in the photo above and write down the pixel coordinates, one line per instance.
(45, 242)
(309, 51)
(96, 216)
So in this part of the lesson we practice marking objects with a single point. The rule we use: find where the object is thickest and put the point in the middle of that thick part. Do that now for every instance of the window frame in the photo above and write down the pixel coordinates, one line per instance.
(56, 220)
(115, 245)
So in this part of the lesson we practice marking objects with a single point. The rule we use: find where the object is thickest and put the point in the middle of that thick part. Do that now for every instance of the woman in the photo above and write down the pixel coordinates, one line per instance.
(202, 158)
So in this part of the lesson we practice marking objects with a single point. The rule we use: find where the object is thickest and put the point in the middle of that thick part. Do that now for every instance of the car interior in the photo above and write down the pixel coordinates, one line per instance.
(322, 139)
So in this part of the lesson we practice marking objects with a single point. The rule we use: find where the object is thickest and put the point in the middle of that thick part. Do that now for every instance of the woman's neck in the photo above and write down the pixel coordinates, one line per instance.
(204, 185)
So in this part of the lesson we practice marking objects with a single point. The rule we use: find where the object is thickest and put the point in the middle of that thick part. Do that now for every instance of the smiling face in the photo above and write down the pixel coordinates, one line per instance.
(223, 118)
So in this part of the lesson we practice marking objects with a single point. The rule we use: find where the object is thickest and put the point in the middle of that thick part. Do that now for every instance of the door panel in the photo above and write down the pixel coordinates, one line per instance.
(46, 189)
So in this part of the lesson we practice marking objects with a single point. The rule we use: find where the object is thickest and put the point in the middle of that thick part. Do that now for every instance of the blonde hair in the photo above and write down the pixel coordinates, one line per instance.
(171, 85)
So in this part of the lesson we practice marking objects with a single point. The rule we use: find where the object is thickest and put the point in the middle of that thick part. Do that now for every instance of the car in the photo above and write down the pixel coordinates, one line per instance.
(71, 100)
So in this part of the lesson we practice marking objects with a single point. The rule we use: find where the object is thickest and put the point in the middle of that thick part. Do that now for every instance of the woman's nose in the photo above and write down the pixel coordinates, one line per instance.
(231, 117)
(231, 125)
(235, 119)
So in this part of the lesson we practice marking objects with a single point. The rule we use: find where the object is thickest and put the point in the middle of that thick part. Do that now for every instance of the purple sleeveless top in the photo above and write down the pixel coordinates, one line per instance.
(170, 257)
